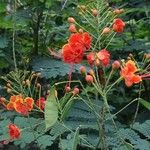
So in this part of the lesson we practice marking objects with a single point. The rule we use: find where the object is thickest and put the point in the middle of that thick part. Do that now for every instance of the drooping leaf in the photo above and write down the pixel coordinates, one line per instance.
(51, 109)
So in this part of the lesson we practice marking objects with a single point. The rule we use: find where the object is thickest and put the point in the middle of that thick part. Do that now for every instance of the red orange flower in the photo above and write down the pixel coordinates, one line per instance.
(41, 103)
(78, 43)
(73, 54)
(14, 131)
(91, 58)
(80, 38)
(104, 57)
(20, 105)
(118, 25)
(128, 72)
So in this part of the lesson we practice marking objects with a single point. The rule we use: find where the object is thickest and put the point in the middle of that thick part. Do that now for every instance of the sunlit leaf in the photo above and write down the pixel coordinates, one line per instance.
(51, 109)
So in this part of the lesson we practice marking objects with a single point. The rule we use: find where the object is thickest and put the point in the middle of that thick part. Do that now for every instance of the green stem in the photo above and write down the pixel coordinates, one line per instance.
(118, 80)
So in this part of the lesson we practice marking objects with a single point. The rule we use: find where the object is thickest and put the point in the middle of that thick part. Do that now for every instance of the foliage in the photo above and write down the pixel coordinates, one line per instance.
(70, 122)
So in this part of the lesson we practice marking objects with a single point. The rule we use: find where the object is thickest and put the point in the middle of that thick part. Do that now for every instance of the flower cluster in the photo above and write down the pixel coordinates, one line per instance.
(78, 43)
(128, 72)
(20, 105)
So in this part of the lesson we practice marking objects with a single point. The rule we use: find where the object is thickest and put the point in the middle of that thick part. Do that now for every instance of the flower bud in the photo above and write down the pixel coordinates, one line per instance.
(75, 91)
(118, 11)
(97, 62)
(72, 28)
(9, 90)
(48, 92)
(82, 70)
(121, 11)
(39, 74)
(147, 56)
(8, 85)
(83, 7)
(106, 30)
(94, 12)
(2, 100)
(129, 58)
(130, 55)
(80, 30)
(38, 85)
(28, 82)
(91, 72)
(23, 82)
(89, 78)
(116, 64)
(71, 20)
(67, 89)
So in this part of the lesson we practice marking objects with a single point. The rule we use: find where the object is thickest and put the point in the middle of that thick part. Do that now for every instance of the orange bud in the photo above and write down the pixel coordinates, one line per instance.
(83, 7)
(67, 89)
(75, 91)
(116, 64)
(23, 82)
(71, 20)
(2, 100)
(147, 56)
(106, 30)
(28, 82)
(89, 78)
(39, 74)
(8, 85)
(97, 62)
(130, 55)
(80, 30)
(121, 10)
(91, 72)
(72, 28)
(38, 85)
(48, 92)
(9, 90)
(118, 11)
(129, 58)
(82, 69)
(94, 12)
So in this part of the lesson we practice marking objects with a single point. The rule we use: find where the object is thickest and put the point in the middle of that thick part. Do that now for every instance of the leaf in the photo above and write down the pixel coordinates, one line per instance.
(129, 146)
(2, 7)
(3, 41)
(52, 68)
(75, 139)
(66, 108)
(44, 141)
(51, 109)
(145, 103)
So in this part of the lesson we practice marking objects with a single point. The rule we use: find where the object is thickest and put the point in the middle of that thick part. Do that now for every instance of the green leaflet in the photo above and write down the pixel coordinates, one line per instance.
(75, 139)
(67, 107)
(145, 103)
(51, 110)
(129, 146)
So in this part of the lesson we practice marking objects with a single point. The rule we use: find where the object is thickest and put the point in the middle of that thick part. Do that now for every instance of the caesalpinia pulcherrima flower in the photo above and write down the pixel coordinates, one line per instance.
(20, 105)
(41, 103)
(128, 72)
(118, 25)
(78, 43)
(103, 56)
(14, 131)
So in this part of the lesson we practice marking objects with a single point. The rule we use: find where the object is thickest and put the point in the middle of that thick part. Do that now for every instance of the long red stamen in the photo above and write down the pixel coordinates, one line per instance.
(145, 75)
